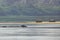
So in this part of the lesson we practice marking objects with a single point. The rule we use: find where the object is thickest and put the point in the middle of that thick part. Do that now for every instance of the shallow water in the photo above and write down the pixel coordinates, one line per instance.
(31, 25)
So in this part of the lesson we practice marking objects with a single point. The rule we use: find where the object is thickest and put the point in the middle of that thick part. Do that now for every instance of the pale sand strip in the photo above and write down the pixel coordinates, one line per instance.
(30, 23)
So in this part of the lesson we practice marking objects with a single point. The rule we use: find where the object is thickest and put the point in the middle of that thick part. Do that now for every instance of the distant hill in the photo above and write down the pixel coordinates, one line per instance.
(29, 7)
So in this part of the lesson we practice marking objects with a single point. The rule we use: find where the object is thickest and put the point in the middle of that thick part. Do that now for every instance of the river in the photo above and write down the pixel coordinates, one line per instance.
(35, 32)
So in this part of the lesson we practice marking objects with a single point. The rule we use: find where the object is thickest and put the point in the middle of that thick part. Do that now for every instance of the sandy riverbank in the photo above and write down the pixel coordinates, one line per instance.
(30, 23)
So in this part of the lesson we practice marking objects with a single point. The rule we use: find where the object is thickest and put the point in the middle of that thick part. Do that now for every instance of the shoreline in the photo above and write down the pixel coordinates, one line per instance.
(29, 22)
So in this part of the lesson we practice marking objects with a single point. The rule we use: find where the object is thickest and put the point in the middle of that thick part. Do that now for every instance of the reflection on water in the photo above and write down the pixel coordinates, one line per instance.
(29, 32)
(29, 38)
(33, 32)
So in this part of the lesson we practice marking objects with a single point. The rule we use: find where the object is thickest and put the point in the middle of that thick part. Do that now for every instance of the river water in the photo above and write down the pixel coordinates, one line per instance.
(34, 32)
